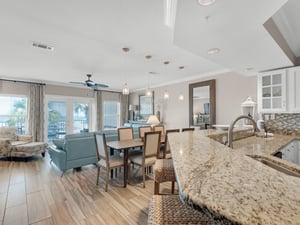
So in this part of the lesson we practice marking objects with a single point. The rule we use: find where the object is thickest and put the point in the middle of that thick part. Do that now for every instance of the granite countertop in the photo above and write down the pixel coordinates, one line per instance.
(229, 185)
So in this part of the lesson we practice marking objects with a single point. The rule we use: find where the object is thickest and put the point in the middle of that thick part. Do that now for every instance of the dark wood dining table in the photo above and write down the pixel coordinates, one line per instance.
(124, 146)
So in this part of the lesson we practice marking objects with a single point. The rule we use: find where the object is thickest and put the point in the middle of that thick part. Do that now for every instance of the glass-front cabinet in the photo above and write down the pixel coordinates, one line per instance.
(272, 91)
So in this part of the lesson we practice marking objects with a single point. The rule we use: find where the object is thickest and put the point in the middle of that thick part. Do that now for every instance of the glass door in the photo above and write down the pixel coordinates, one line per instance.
(67, 116)
(80, 117)
(57, 119)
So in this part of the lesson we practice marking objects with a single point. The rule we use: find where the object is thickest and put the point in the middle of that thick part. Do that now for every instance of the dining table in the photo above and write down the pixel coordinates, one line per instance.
(124, 146)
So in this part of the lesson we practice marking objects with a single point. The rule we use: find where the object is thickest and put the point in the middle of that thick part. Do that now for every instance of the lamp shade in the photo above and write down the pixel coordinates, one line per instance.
(248, 103)
(153, 120)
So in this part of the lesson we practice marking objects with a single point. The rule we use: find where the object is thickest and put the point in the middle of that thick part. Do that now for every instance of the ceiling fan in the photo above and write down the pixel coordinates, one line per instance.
(90, 83)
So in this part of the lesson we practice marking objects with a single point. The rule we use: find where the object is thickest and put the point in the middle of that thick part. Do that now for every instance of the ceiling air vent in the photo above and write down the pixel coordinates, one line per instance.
(43, 46)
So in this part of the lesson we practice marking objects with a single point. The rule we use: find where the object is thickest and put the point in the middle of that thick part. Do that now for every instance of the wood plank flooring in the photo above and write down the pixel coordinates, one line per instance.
(34, 193)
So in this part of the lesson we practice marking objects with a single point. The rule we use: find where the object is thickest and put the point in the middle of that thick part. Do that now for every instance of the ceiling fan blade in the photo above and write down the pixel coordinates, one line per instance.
(75, 82)
(100, 86)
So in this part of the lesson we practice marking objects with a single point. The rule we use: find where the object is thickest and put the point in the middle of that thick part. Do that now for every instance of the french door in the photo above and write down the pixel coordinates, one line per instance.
(67, 116)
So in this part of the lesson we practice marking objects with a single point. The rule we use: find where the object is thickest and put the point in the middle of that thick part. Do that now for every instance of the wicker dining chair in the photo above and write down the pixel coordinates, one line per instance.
(169, 209)
(150, 153)
(104, 159)
(163, 168)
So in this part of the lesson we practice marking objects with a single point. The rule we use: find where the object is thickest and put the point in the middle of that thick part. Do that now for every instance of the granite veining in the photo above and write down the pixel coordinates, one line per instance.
(227, 183)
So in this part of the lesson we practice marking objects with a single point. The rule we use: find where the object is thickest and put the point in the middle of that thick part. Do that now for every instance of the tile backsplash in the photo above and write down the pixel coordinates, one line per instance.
(283, 123)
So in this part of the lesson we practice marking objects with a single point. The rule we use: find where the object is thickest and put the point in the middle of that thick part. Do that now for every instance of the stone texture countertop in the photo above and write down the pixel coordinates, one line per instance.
(229, 185)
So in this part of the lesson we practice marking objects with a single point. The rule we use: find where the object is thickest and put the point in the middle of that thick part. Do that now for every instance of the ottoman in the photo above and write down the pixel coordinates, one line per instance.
(28, 149)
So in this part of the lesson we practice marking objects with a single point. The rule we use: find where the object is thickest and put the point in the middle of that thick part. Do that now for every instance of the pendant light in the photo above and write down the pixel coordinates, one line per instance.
(125, 89)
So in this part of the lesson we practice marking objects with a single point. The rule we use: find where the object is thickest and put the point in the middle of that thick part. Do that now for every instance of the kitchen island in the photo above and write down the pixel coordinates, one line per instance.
(229, 185)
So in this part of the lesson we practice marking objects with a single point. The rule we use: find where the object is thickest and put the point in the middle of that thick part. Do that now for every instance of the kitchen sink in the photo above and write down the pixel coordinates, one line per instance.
(276, 166)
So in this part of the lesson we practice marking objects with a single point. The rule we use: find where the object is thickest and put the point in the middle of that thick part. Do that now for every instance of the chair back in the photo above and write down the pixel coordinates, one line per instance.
(101, 146)
(188, 129)
(152, 144)
(125, 133)
(143, 130)
(167, 146)
(159, 128)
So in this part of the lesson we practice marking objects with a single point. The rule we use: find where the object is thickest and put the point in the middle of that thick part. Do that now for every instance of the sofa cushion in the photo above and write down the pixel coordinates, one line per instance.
(8, 132)
(13, 143)
(59, 143)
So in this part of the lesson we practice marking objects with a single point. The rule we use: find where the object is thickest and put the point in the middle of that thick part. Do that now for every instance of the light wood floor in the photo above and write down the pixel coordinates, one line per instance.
(33, 192)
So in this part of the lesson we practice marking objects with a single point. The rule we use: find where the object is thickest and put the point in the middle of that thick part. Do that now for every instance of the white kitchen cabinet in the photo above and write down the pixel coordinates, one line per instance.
(272, 91)
(293, 89)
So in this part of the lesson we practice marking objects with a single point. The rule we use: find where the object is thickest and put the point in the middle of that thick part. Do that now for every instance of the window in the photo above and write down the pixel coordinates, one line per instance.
(111, 115)
(13, 112)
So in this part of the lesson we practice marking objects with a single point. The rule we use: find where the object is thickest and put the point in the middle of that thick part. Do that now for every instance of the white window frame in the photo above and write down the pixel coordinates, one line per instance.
(26, 115)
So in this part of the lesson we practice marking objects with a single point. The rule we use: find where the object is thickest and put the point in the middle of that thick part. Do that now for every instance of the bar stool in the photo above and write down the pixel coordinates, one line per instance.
(169, 209)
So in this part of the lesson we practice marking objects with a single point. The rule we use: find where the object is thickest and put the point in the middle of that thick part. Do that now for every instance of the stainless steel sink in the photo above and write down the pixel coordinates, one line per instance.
(276, 166)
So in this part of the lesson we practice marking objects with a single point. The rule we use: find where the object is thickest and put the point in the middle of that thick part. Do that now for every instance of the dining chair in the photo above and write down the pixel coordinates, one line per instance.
(188, 129)
(143, 130)
(125, 133)
(160, 128)
(104, 159)
(150, 153)
(166, 152)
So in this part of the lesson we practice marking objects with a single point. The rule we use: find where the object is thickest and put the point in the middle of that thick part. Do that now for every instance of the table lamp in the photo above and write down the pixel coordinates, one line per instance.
(153, 120)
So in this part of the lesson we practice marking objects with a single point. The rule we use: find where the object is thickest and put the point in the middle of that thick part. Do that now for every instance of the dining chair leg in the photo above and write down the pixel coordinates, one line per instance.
(156, 188)
(144, 178)
(107, 178)
(173, 187)
(128, 174)
(98, 175)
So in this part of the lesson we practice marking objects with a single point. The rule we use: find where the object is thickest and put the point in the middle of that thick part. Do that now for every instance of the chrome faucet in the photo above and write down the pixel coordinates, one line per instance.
(230, 130)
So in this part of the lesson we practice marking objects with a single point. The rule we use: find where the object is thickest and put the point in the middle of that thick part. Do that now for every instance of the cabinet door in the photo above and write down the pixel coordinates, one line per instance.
(293, 91)
(272, 91)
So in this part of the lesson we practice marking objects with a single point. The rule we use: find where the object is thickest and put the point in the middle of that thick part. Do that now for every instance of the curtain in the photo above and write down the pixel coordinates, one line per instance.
(102, 96)
(99, 118)
(36, 112)
(123, 108)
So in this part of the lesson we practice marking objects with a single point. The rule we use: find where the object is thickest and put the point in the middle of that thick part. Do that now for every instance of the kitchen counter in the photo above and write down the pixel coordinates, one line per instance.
(231, 186)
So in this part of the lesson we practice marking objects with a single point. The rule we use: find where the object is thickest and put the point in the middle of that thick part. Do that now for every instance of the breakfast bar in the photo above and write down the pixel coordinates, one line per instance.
(229, 184)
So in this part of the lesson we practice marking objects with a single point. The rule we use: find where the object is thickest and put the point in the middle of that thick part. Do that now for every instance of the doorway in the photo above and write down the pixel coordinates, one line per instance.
(67, 116)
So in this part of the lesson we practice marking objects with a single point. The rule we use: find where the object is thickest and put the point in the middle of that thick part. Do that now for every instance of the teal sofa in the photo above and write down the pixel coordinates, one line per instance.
(74, 151)
(77, 150)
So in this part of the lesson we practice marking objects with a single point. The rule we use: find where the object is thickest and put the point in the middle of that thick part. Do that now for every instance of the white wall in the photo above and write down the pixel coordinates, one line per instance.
(231, 90)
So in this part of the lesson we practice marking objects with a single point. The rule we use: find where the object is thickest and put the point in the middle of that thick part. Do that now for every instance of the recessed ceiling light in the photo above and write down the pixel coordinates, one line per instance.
(166, 62)
(213, 51)
(154, 73)
(249, 69)
(43, 46)
(181, 67)
(206, 2)
(148, 56)
(125, 49)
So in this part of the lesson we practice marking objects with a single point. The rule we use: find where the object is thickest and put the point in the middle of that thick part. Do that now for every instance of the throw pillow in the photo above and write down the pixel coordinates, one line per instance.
(59, 143)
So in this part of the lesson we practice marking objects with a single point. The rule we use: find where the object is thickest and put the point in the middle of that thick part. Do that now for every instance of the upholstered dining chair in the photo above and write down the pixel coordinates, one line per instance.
(143, 130)
(125, 133)
(160, 128)
(166, 152)
(104, 159)
(188, 129)
(150, 152)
